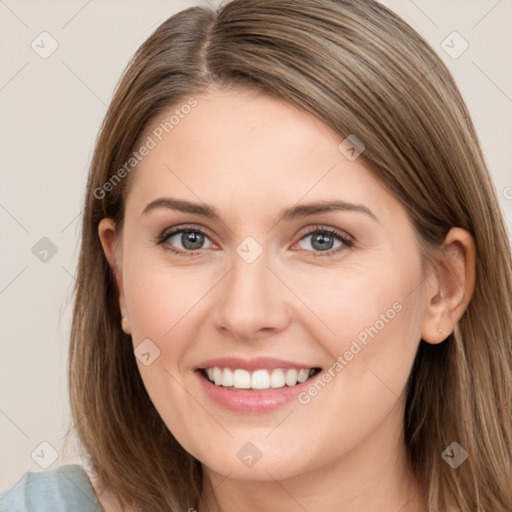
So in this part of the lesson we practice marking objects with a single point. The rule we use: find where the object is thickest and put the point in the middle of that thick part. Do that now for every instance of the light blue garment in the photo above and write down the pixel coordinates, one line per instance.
(63, 489)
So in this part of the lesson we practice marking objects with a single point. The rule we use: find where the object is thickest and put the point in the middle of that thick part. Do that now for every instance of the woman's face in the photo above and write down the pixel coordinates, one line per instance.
(258, 289)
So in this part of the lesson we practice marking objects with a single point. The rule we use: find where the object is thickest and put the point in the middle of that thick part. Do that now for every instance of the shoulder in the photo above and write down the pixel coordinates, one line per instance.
(55, 490)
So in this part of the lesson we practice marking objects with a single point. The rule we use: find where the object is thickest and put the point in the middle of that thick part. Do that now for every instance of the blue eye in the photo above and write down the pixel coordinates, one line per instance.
(323, 240)
(192, 240)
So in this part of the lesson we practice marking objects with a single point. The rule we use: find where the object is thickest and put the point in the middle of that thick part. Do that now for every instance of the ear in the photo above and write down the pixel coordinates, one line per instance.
(450, 287)
(106, 232)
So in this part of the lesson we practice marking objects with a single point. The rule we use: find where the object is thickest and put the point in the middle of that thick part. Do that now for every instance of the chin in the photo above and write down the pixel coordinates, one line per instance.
(265, 469)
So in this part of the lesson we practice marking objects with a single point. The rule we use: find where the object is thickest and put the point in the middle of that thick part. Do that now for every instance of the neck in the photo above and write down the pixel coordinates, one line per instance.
(373, 476)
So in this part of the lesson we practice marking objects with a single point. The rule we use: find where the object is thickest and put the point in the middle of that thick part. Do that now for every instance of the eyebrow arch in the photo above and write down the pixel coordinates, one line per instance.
(288, 214)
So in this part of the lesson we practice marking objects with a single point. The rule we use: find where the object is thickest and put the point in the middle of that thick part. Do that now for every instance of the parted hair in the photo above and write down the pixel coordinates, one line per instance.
(362, 70)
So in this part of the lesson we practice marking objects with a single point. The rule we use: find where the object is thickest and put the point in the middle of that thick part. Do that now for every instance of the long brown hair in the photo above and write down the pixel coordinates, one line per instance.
(362, 70)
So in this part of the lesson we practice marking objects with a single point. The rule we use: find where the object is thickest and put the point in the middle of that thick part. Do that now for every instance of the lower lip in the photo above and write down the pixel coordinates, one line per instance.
(241, 400)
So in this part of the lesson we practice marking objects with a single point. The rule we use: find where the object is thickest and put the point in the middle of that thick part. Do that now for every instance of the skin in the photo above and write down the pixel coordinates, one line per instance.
(250, 156)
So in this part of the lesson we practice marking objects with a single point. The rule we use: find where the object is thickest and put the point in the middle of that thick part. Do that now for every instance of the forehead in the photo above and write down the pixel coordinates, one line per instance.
(239, 149)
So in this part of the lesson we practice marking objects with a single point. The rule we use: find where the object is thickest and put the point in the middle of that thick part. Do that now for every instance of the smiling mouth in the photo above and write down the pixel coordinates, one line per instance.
(262, 379)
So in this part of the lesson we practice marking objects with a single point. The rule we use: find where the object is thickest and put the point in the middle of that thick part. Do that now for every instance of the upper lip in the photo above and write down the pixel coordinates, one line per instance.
(257, 363)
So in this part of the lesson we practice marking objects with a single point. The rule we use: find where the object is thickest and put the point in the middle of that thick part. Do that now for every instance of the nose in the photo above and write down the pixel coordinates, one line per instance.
(251, 302)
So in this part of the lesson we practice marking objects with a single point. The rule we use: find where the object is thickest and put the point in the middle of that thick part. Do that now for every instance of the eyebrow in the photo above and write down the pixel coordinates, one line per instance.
(288, 214)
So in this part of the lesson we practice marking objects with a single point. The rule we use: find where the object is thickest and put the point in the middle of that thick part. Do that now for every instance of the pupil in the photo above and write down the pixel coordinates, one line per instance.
(323, 240)
(192, 240)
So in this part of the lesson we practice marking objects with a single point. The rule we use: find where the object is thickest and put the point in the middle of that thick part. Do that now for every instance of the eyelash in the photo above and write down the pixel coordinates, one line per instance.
(347, 242)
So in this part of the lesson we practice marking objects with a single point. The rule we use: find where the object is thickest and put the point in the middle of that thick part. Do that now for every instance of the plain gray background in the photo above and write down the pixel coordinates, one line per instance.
(50, 111)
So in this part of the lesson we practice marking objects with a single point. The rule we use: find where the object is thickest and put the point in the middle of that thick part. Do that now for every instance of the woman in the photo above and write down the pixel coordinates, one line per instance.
(294, 288)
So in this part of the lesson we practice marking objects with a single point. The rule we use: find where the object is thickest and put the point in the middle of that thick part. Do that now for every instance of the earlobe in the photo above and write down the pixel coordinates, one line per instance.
(451, 286)
(106, 233)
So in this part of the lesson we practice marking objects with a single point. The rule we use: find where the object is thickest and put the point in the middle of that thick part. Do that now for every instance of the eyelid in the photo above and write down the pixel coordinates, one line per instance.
(346, 239)
(168, 232)
(165, 233)
(309, 230)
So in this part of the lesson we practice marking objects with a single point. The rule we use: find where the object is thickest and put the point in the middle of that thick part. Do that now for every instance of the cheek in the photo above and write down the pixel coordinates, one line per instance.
(342, 302)
(368, 320)
(161, 302)
(159, 298)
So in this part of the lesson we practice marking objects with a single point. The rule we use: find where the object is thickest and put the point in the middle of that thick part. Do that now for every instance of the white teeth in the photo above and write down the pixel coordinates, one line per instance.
(277, 379)
(241, 379)
(258, 379)
(303, 375)
(227, 378)
(217, 376)
(291, 377)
